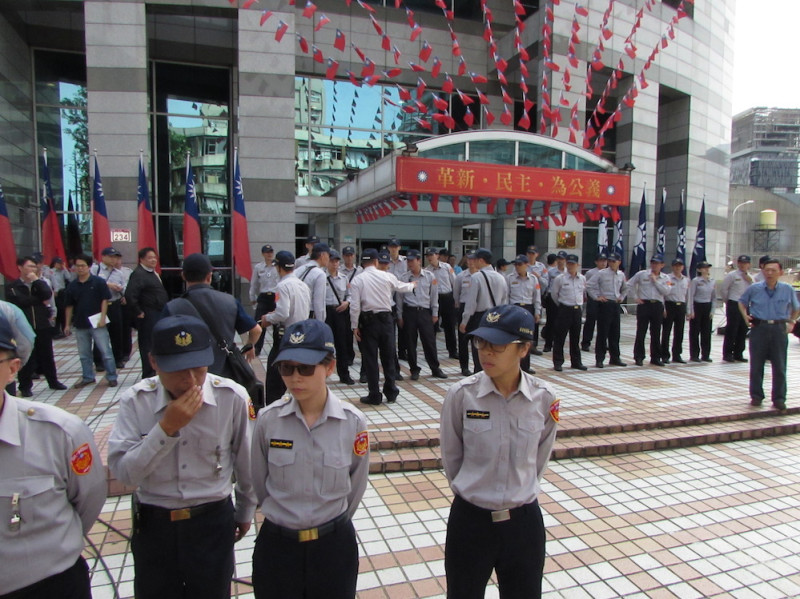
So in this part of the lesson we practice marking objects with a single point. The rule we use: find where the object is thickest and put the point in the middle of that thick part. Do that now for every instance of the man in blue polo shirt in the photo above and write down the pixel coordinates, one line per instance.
(770, 308)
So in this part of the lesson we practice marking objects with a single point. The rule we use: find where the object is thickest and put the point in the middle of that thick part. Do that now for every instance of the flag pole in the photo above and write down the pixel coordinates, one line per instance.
(39, 211)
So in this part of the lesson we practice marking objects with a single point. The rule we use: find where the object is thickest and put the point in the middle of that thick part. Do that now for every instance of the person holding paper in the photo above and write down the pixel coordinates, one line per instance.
(86, 306)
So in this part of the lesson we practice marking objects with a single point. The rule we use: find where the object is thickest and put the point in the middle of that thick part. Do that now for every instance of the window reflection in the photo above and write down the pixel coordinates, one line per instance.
(581, 164)
(493, 151)
(539, 156)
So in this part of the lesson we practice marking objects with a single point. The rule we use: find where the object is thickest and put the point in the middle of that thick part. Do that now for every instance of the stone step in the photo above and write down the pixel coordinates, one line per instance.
(386, 457)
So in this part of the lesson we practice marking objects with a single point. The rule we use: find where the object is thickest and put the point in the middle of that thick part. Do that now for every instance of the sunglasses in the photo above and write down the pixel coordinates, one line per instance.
(286, 369)
(479, 344)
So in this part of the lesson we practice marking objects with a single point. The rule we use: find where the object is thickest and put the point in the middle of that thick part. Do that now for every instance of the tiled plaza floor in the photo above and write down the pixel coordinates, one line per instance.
(709, 520)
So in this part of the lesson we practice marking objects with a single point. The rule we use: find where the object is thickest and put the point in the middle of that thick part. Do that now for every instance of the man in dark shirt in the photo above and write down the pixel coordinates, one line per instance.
(223, 313)
(146, 297)
(87, 300)
(32, 295)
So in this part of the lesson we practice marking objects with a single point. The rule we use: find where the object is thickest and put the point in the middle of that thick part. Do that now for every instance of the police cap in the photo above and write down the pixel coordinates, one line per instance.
(181, 342)
(504, 324)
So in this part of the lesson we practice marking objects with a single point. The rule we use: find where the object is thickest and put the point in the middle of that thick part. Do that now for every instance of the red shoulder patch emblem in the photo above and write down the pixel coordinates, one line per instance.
(82, 459)
(361, 444)
(251, 410)
(554, 409)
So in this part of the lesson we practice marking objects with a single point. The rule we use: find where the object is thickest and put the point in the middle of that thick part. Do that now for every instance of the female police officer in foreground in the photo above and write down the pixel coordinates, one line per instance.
(498, 428)
(310, 461)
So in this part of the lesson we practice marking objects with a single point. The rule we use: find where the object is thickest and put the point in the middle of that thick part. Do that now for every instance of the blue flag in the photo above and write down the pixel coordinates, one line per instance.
(680, 253)
(699, 253)
(638, 256)
(661, 230)
(619, 244)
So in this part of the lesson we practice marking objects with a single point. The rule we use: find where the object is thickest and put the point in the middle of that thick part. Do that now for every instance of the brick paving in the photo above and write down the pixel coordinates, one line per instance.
(664, 483)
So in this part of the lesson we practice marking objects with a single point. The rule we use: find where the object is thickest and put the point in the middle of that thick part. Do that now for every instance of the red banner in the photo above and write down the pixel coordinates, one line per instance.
(451, 177)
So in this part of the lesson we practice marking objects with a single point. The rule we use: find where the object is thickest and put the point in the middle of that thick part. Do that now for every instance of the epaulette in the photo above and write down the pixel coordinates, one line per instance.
(39, 412)
(219, 382)
(147, 385)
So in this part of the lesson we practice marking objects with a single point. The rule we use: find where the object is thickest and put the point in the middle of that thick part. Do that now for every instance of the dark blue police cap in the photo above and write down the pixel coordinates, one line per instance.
(266, 248)
(307, 342)
(562, 254)
(7, 340)
(743, 258)
(521, 259)
(312, 239)
(413, 255)
(384, 258)
(532, 249)
(601, 256)
(431, 252)
(197, 263)
(504, 324)
(181, 342)
(284, 259)
(573, 258)
(321, 247)
(110, 251)
(614, 258)
(483, 254)
(348, 250)
(335, 255)
(657, 258)
(394, 242)
(369, 254)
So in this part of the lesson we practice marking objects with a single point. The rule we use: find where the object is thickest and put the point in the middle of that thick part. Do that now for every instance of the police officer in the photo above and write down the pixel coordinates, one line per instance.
(700, 301)
(538, 270)
(311, 241)
(732, 288)
(385, 264)
(600, 262)
(398, 266)
(550, 307)
(460, 291)
(371, 321)
(445, 279)
(649, 287)
(674, 313)
(349, 269)
(497, 432)
(771, 309)
(53, 488)
(337, 313)
(180, 438)
(487, 290)
(312, 273)
(293, 305)
(568, 292)
(608, 288)
(417, 312)
(262, 290)
(310, 461)
(524, 291)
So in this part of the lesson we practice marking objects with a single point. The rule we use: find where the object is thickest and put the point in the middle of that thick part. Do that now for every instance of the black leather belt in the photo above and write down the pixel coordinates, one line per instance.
(267, 293)
(524, 305)
(187, 513)
(578, 307)
(758, 321)
(308, 534)
(675, 303)
(652, 301)
(415, 308)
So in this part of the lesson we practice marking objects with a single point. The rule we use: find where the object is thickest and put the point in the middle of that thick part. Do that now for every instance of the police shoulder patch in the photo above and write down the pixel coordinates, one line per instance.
(81, 459)
(361, 444)
(251, 410)
(554, 409)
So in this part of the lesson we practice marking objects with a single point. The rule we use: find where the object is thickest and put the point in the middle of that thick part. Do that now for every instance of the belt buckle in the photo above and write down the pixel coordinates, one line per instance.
(182, 514)
(771, 321)
(501, 515)
(309, 534)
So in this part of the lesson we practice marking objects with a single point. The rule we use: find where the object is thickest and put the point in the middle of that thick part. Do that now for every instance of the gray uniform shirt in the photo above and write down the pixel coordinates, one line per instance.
(338, 282)
(525, 290)
(461, 286)
(568, 289)
(678, 288)
(478, 298)
(701, 291)
(292, 301)
(643, 287)
(49, 458)
(495, 449)
(423, 296)
(372, 290)
(111, 275)
(608, 284)
(305, 476)
(734, 284)
(315, 277)
(265, 280)
(195, 466)
(537, 268)
(444, 275)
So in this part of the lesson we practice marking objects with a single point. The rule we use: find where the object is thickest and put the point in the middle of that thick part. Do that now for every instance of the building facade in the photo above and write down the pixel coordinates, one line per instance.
(310, 113)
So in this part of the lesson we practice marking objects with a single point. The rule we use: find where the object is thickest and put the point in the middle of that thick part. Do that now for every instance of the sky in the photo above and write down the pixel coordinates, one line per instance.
(764, 67)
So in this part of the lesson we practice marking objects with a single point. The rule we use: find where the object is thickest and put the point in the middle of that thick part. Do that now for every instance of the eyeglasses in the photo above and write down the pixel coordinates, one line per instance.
(479, 344)
(287, 369)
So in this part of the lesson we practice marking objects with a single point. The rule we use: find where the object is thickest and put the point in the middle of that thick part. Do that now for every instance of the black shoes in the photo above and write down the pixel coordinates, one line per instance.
(656, 362)
(439, 374)
(414, 375)
(618, 363)
(399, 376)
(727, 359)
(599, 364)
(529, 371)
(781, 406)
(557, 368)
(579, 367)
(695, 360)
(369, 401)
(362, 378)
(756, 402)
(547, 348)
(392, 397)
(346, 380)
(465, 372)
(586, 347)
(536, 352)
(707, 360)
(25, 393)
(453, 356)
(742, 359)
(81, 384)
(112, 383)
(57, 386)
(679, 360)
(639, 362)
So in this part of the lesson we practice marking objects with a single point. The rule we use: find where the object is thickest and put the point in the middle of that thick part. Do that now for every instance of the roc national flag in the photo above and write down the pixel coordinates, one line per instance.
(602, 236)
(661, 230)
(699, 253)
(52, 244)
(619, 243)
(680, 254)
(146, 230)
(8, 253)
(241, 239)
(74, 243)
(638, 256)
(101, 231)
(191, 215)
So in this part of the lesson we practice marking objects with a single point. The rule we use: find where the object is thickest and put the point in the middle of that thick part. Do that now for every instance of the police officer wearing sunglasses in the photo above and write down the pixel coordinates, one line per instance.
(497, 431)
(310, 460)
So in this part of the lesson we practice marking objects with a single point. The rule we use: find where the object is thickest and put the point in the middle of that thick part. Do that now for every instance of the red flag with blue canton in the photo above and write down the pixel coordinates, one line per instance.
(8, 253)
(101, 231)
(191, 216)
(241, 240)
(146, 232)
(52, 244)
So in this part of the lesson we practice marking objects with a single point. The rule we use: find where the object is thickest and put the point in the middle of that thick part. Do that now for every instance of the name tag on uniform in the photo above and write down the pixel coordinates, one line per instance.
(478, 414)
(281, 443)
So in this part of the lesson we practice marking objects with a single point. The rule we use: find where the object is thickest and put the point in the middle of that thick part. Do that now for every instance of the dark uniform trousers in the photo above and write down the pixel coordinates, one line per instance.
(144, 326)
(608, 319)
(735, 332)
(399, 339)
(472, 324)
(275, 387)
(41, 360)
(339, 323)
(286, 568)
(463, 343)
(265, 303)
(127, 332)
(418, 321)
(700, 331)
(72, 583)
(649, 314)
(591, 320)
(476, 545)
(377, 338)
(768, 342)
(448, 322)
(186, 558)
(525, 363)
(568, 322)
(61, 308)
(675, 318)
(549, 328)
(115, 328)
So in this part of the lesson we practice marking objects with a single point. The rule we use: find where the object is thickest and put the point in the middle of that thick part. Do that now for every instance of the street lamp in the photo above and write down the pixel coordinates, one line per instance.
(733, 225)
